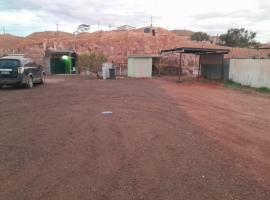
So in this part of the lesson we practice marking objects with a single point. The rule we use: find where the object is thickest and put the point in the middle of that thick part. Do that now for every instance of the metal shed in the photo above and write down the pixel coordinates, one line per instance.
(211, 61)
(141, 66)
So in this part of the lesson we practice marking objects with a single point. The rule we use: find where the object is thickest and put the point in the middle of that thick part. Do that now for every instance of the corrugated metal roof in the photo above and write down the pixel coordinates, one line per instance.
(196, 50)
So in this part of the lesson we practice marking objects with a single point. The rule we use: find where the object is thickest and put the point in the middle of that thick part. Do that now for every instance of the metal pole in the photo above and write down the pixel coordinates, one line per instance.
(199, 71)
(159, 63)
(180, 68)
(70, 63)
(222, 68)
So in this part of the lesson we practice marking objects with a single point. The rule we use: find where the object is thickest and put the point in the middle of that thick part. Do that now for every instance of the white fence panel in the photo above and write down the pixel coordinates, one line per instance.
(251, 72)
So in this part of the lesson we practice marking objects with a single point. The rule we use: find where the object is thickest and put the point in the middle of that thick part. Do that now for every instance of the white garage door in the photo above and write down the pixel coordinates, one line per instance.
(140, 67)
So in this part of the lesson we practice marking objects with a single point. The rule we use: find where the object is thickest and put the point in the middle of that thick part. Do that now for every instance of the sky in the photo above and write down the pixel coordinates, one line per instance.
(22, 17)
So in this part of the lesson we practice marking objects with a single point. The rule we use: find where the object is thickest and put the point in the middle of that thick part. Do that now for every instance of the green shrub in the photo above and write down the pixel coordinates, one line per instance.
(233, 85)
(92, 62)
(263, 90)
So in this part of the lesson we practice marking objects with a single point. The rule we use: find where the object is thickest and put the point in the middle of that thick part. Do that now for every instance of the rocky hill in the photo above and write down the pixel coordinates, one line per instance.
(116, 45)
(266, 45)
(49, 35)
(185, 33)
(7, 41)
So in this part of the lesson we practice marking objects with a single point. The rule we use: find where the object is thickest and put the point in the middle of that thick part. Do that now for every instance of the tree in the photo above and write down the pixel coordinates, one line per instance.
(239, 38)
(91, 62)
(200, 36)
(256, 45)
(82, 28)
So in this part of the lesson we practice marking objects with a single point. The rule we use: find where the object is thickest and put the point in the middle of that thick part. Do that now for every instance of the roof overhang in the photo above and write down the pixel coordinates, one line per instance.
(197, 51)
(55, 52)
(145, 56)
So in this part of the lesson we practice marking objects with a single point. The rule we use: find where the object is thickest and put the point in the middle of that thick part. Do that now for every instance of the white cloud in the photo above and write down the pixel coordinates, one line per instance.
(214, 17)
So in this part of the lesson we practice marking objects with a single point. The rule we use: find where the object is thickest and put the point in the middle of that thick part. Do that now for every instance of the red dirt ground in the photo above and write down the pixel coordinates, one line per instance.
(238, 120)
(164, 140)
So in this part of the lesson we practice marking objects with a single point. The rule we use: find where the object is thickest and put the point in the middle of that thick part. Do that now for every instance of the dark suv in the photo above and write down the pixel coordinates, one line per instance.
(18, 70)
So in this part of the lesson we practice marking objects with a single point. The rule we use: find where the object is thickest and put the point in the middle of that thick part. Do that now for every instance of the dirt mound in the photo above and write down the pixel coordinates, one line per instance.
(185, 33)
(266, 45)
(7, 40)
(159, 30)
(49, 35)
(116, 45)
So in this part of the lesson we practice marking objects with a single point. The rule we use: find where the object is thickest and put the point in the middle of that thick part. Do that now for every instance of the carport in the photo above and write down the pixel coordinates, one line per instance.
(211, 61)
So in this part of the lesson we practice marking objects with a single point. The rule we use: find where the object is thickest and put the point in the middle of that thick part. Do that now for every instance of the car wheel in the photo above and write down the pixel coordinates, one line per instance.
(42, 78)
(30, 82)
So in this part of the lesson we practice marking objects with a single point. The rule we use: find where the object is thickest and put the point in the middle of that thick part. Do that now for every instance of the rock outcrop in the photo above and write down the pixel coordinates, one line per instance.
(116, 45)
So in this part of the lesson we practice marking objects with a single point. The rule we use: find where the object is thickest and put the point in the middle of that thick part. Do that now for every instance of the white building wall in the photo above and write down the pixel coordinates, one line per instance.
(251, 72)
(140, 67)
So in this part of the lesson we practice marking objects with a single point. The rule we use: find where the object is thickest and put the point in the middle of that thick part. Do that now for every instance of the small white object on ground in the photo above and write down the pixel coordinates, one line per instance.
(107, 113)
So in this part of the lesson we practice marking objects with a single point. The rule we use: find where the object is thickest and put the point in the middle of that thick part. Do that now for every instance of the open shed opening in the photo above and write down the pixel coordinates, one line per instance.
(211, 61)
(60, 62)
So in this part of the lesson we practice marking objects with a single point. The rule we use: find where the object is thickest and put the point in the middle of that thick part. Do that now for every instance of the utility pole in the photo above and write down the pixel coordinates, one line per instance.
(57, 27)
(151, 21)
(4, 30)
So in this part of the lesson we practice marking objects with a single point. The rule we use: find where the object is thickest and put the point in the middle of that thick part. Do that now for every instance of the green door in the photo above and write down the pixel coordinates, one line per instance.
(60, 66)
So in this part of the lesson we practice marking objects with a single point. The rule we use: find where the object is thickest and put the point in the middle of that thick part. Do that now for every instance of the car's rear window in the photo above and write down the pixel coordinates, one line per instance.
(9, 63)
